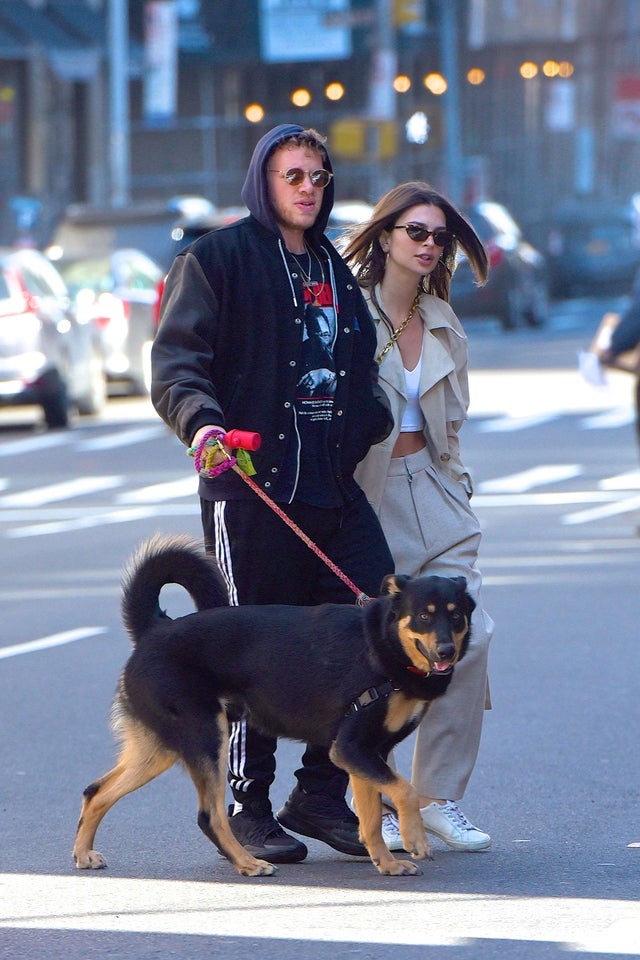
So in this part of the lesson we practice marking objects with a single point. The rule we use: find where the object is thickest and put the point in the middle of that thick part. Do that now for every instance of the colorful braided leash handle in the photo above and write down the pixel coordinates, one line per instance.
(211, 445)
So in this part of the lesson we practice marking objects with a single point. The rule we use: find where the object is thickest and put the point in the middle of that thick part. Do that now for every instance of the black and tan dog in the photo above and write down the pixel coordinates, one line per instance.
(356, 679)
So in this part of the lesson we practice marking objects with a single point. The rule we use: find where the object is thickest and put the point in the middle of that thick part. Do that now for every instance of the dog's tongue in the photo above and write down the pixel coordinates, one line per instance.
(440, 667)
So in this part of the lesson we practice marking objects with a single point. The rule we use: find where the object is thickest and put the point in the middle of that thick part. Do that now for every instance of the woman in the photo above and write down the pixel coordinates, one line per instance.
(404, 257)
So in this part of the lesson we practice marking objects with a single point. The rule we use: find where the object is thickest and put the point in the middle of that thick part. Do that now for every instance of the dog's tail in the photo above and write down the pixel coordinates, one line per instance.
(162, 560)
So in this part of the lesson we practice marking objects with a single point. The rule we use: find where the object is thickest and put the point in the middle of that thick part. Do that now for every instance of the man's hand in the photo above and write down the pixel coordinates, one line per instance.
(203, 431)
(210, 455)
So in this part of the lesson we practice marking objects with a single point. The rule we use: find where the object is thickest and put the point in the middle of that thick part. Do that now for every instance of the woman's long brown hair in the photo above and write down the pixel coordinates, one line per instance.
(367, 258)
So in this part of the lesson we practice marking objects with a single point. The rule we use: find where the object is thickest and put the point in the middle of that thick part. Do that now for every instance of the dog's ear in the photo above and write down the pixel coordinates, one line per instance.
(393, 584)
(467, 600)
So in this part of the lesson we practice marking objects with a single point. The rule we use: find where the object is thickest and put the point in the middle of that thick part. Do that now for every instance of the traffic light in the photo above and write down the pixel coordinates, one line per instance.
(406, 13)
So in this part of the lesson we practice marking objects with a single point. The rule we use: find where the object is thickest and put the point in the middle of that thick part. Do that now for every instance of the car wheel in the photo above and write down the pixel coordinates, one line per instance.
(140, 382)
(94, 399)
(137, 388)
(54, 400)
(511, 315)
(536, 313)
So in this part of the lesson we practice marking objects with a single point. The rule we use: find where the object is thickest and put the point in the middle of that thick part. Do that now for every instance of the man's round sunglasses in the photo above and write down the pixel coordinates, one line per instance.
(441, 237)
(295, 176)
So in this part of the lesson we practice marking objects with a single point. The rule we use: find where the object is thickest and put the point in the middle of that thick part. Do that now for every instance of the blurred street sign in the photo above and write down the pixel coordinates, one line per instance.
(306, 21)
(625, 113)
(363, 139)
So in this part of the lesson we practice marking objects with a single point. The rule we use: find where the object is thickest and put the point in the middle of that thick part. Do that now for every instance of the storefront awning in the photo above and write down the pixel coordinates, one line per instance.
(72, 35)
(10, 47)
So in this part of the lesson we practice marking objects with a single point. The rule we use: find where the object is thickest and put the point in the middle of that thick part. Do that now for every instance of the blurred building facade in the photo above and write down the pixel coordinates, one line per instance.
(118, 103)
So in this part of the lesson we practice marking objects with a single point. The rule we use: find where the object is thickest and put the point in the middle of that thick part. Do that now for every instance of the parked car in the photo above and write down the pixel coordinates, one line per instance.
(346, 214)
(49, 356)
(86, 230)
(196, 220)
(593, 248)
(197, 217)
(517, 290)
(118, 292)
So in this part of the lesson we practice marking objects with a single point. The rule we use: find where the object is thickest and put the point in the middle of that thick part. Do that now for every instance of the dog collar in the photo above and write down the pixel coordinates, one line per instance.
(428, 673)
(370, 696)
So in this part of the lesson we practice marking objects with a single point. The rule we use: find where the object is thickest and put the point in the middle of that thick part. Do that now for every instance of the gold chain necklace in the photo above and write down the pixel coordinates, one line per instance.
(400, 329)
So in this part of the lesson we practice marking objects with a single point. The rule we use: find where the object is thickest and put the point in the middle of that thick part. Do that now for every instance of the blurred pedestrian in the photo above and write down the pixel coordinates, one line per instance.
(236, 348)
(415, 479)
(625, 337)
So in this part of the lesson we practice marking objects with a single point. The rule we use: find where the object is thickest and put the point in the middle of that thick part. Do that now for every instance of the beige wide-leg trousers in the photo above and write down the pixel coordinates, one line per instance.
(431, 529)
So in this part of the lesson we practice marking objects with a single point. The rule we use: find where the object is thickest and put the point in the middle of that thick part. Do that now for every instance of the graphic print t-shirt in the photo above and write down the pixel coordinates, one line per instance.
(314, 399)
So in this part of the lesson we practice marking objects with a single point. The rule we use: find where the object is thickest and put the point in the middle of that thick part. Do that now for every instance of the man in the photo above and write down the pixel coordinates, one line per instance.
(229, 353)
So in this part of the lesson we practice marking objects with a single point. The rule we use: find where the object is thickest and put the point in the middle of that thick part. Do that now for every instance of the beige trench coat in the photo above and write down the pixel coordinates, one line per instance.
(444, 395)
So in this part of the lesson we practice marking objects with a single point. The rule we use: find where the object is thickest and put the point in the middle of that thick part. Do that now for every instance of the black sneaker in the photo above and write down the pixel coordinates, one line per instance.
(324, 818)
(261, 835)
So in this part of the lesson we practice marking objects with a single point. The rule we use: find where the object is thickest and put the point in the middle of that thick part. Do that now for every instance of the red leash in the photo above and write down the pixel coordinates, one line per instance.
(214, 439)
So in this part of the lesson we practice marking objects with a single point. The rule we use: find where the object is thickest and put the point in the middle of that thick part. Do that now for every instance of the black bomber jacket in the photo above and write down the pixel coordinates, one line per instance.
(228, 351)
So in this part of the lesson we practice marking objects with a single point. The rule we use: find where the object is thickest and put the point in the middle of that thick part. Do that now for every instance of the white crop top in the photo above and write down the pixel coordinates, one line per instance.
(413, 419)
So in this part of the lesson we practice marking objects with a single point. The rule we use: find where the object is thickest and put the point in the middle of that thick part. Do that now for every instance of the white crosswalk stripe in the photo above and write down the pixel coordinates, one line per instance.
(161, 492)
(38, 496)
(510, 424)
(527, 479)
(89, 520)
(54, 640)
(122, 438)
(507, 423)
(14, 448)
(618, 417)
(623, 481)
(625, 505)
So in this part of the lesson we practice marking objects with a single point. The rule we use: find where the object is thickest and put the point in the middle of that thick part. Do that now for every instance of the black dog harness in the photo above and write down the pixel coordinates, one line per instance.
(370, 696)
(385, 690)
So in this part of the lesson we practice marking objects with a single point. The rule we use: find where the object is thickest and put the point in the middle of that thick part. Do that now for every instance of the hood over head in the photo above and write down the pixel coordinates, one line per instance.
(255, 194)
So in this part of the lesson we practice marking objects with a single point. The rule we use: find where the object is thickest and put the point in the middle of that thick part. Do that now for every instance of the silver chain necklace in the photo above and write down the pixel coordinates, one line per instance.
(315, 287)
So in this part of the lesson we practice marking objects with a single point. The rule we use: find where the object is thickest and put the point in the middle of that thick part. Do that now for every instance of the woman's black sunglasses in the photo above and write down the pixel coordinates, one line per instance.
(415, 231)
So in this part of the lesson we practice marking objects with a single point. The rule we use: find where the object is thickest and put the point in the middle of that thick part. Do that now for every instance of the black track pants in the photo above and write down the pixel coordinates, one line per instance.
(264, 561)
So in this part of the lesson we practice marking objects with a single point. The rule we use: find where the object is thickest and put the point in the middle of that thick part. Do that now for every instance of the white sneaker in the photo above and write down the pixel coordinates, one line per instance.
(391, 831)
(390, 828)
(448, 822)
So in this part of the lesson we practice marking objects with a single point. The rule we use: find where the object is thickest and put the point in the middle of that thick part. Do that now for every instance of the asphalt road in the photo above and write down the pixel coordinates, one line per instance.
(558, 491)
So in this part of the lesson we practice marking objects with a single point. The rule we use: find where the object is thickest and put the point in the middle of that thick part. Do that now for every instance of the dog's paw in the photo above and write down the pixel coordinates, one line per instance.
(399, 868)
(420, 851)
(90, 860)
(261, 868)
(418, 847)
(421, 854)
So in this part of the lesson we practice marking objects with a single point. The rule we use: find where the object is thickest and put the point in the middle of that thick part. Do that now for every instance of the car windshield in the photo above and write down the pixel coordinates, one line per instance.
(610, 230)
(499, 218)
(134, 271)
(92, 274)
